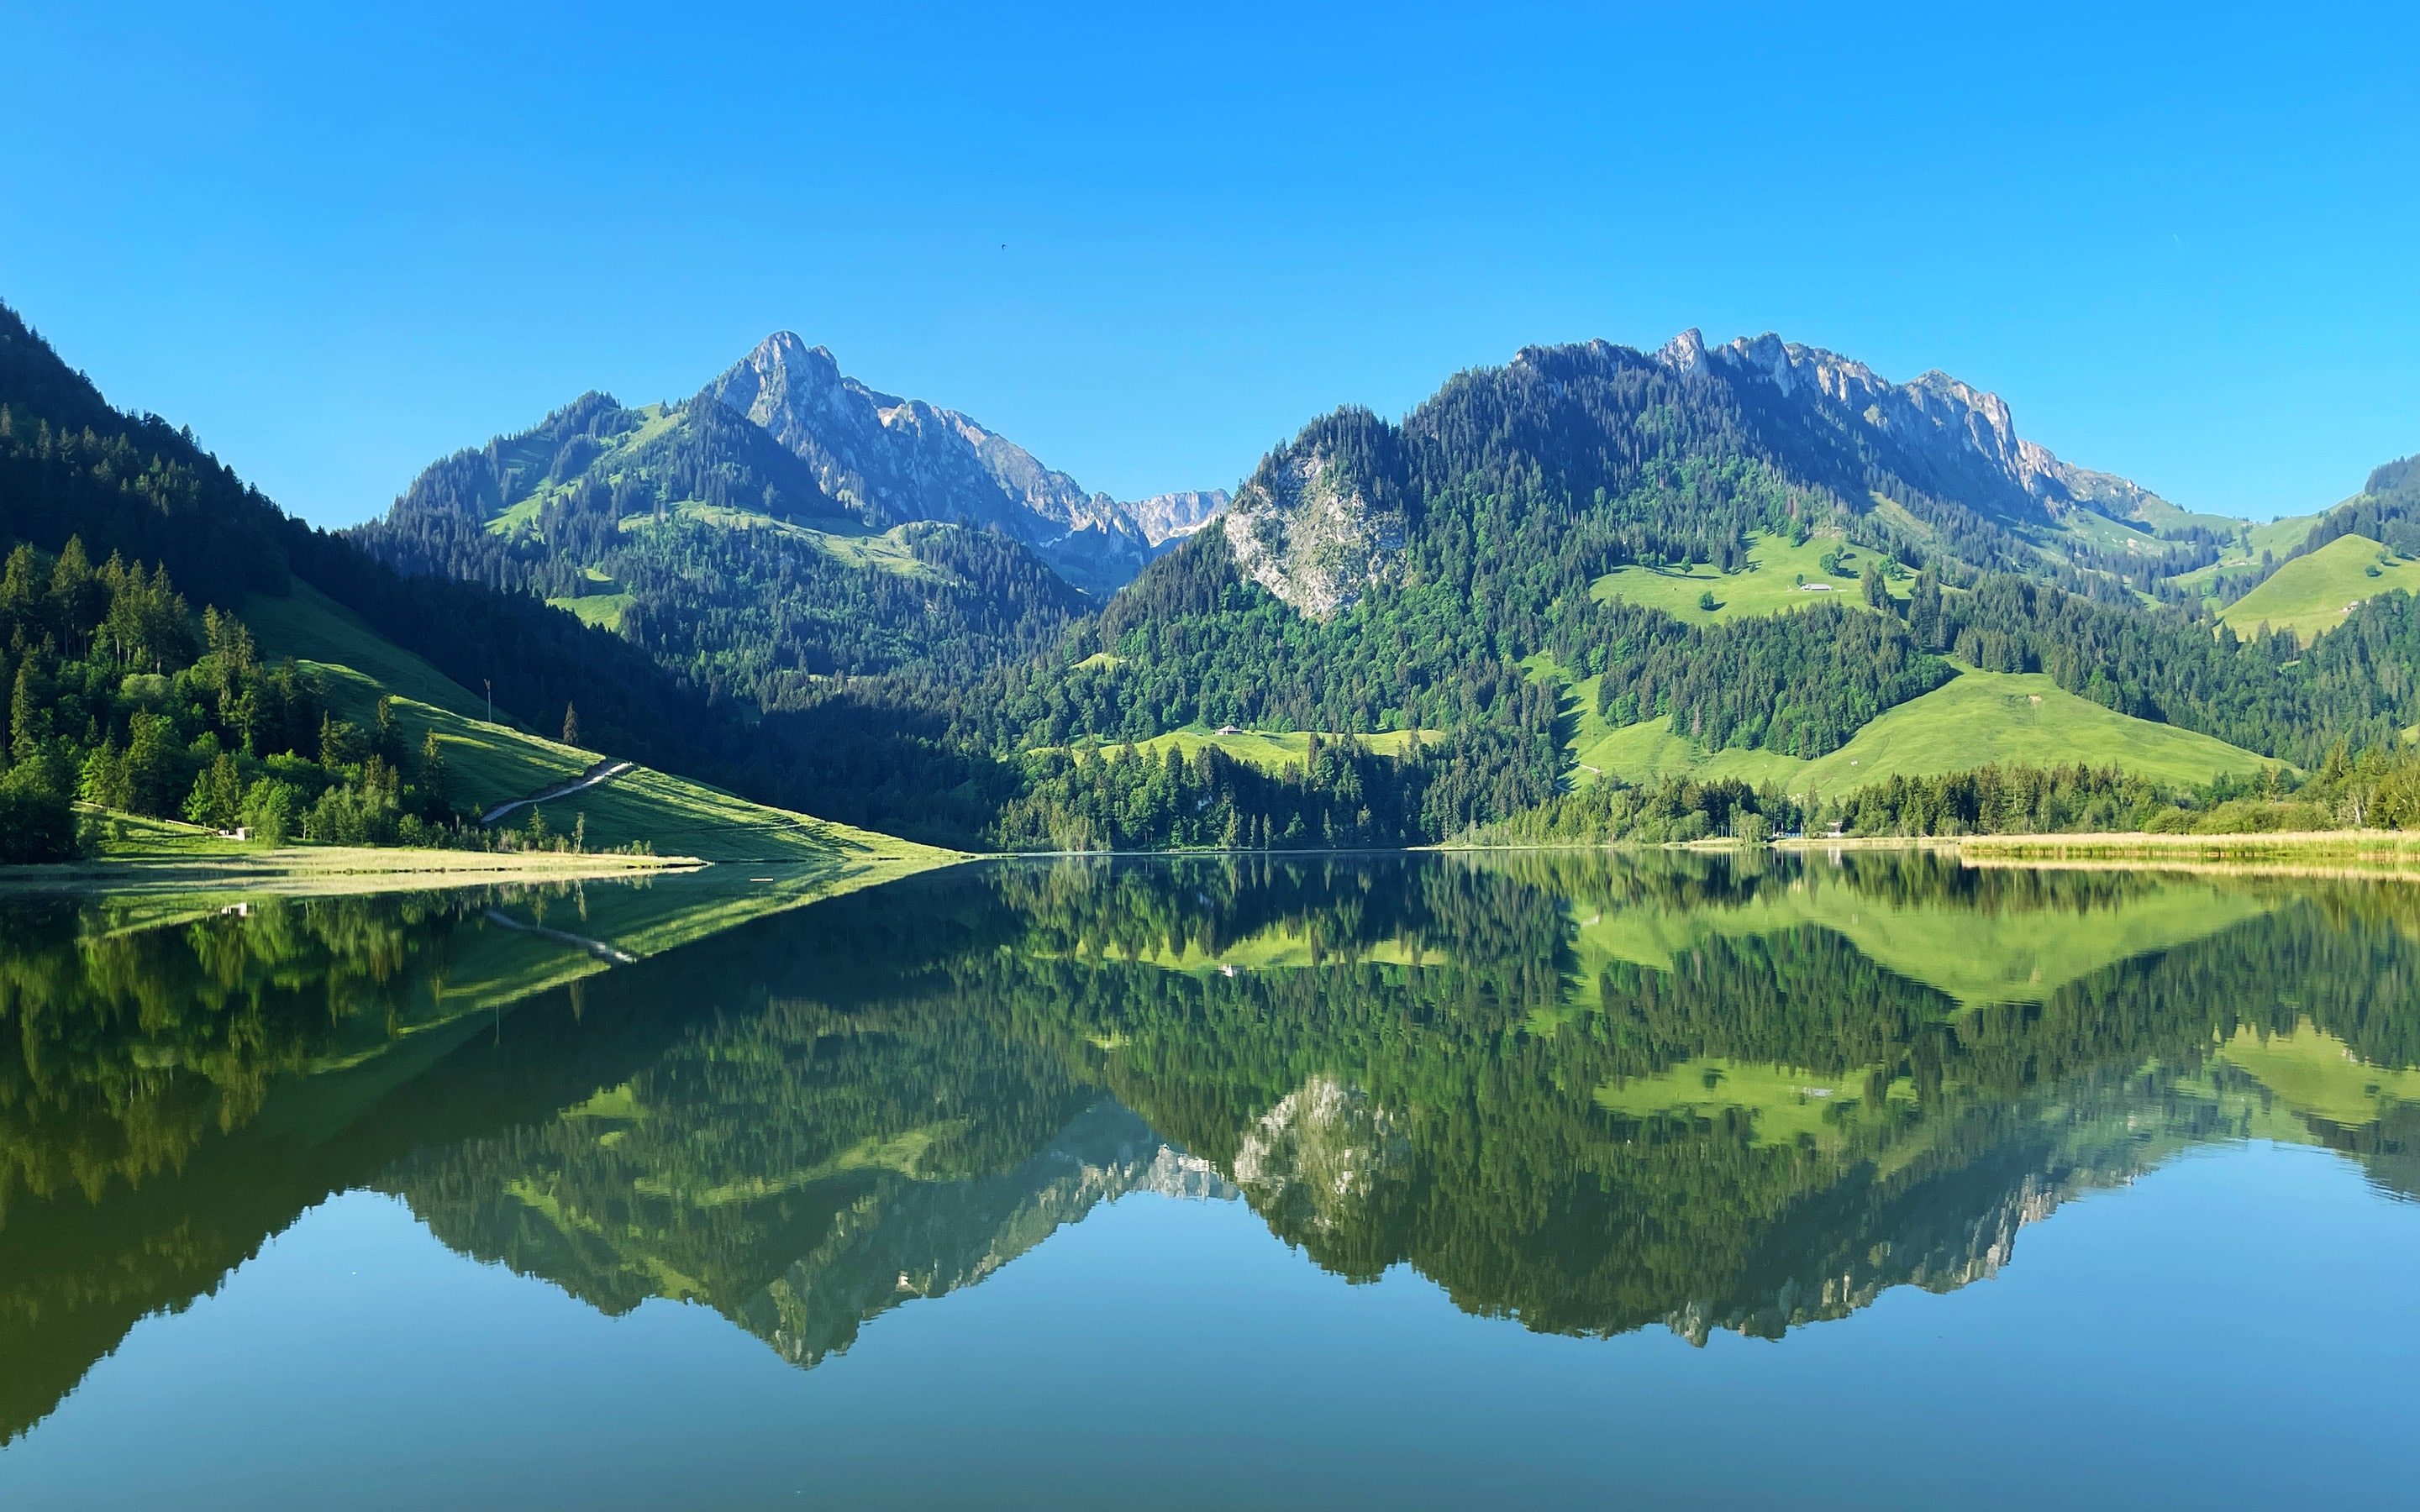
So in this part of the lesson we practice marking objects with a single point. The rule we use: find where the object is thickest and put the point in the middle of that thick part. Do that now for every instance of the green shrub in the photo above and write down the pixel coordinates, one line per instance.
(36, 820)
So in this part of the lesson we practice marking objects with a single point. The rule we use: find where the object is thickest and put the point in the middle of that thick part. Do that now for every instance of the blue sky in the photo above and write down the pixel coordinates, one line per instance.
(340, 242)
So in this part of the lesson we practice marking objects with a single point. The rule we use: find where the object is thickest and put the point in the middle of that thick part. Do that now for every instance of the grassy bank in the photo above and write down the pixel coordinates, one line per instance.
(2384, 851)
(135, 856)
(296, 869)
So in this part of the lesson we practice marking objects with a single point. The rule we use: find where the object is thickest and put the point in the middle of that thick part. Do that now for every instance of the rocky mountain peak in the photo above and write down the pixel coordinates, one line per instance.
(1684, 353)
(895, 458)
(1955, 429)
(1307, 532)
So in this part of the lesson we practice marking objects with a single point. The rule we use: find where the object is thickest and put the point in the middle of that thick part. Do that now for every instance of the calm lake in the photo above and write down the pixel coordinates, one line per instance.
(1661, 1180)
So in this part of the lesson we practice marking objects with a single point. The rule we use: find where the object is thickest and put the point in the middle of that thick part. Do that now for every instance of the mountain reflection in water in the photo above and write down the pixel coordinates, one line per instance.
(1587, 1092)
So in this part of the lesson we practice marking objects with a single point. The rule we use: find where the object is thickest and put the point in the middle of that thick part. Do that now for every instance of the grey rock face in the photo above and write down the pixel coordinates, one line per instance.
(901, 460)
(1301, 530)
(1960, 428)
(1167, 518)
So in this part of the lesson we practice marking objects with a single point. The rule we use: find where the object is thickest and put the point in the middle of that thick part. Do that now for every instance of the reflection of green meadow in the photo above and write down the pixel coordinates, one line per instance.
(1972, 955)
(2318, 1075)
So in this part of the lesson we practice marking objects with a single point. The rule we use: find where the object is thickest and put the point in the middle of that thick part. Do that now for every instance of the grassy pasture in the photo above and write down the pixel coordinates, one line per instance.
(1272, 750)
(2312, 595)
(602, 611)
(1978, 717)
(1767, 587)
(2016, 717)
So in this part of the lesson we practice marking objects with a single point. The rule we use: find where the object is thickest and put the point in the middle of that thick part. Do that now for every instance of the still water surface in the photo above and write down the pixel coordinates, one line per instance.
(1656, 1181)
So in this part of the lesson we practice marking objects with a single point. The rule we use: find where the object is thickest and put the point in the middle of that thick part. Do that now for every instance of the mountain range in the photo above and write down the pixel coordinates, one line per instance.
(1574, 590)
(1934, 464)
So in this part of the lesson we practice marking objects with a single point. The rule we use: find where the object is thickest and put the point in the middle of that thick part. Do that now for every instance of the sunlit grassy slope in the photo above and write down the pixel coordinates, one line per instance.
(2277, 537)
(2312, 595)
(490, 763)
(1643, 752)
(603, 611)
(2016, 717)
(1651, 753)
(1977, 717)
(1768, 587)
(1271, 751)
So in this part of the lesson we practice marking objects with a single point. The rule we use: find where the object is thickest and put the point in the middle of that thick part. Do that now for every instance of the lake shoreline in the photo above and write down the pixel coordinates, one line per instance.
(2369, 853)
(2312, 845)
(332, 870)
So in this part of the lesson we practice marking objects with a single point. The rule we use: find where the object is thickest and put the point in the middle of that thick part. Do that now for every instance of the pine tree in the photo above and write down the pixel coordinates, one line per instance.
(436, 804)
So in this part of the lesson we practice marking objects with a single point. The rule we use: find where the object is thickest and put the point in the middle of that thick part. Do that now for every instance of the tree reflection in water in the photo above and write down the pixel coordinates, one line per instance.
(1585, 1091)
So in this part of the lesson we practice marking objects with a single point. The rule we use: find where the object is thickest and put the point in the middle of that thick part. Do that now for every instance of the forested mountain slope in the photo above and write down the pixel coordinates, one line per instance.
(118, 529)
(786, 524)
(1374, 577)
(772, 605)
(706, 542)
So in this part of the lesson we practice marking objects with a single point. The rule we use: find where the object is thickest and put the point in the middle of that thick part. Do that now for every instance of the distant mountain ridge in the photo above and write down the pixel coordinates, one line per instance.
(1958, 428)
(1936, 463)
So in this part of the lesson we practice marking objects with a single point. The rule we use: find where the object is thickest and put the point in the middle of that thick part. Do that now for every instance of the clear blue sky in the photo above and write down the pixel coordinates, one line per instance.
(2185, 244)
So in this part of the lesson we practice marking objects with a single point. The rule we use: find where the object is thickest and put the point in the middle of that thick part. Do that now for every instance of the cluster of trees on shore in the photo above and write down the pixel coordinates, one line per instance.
(1339, 795)
(118, 698)
(2378, 788)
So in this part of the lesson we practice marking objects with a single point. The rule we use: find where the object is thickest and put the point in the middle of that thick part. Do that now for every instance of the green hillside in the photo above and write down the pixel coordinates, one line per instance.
(750, 574)
(2011, 718)
(308, 625)
(1271, 751)
(603, 611)
(2312, 595)
(2005, 717)
(490, 764)
(1647, 752)
(1779, 577)
(1973, 955)
(1651, 753)
(599, 602)
(2277, 537)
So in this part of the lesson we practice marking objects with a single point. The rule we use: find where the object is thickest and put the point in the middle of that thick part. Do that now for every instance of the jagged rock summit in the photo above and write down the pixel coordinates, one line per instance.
(1952, 423)
(1309, 531)
(901, 460)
